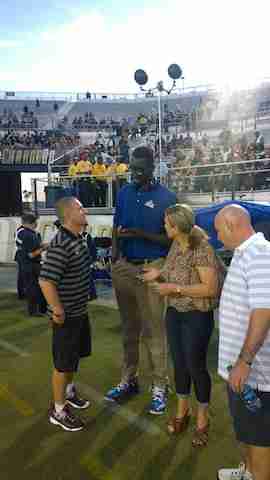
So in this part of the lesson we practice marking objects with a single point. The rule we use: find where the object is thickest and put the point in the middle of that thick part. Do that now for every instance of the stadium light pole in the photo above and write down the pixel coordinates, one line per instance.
(141, 78)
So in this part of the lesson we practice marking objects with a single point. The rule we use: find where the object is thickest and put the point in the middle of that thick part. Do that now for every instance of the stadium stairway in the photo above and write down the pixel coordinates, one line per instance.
(62, 112)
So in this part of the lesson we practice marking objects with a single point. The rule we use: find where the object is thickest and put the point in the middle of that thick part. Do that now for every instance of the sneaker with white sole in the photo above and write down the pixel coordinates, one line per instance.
(159, 401)
(123, 391)
(66, 419)
(239, 473)
(76, 401)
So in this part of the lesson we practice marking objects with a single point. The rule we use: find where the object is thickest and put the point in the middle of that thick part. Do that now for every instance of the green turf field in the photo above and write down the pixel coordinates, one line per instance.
(122, 443)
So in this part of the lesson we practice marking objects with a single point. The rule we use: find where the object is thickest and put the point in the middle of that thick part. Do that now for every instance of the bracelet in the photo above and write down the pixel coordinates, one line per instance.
(246, 357)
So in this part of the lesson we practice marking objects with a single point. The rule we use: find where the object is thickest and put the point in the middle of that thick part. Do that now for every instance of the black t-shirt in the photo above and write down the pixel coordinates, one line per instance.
(27, 241)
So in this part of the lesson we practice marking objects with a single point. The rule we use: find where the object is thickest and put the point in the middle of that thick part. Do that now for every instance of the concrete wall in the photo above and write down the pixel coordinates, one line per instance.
(99, 226)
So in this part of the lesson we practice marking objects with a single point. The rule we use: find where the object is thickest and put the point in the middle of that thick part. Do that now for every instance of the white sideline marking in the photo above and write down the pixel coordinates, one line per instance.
(143, 424)
(13, 348)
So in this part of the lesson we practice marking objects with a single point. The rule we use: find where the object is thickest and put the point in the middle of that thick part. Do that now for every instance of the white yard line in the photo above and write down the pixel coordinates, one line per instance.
(10, 347)
(145, 425)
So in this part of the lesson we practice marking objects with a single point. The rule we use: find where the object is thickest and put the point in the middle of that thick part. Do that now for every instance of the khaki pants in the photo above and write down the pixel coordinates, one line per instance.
(142, 315)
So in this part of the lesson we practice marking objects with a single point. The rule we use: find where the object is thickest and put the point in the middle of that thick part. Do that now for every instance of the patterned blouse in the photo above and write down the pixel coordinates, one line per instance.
(180, 268)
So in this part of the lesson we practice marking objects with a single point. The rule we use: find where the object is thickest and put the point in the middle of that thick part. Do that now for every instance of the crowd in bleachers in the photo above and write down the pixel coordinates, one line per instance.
(10, 119)
(37, 138)
(197, 163)
(206, 167)
(140, 122)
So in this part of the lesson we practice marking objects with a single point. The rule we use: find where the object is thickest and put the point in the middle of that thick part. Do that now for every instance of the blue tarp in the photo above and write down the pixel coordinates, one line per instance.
(205, 217)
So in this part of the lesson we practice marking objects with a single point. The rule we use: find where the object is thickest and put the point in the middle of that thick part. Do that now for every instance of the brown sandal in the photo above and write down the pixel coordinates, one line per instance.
(178, 425)
(200, 437)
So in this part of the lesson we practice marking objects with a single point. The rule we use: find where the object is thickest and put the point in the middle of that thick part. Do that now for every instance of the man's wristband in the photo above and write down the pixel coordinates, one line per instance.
(246, 357)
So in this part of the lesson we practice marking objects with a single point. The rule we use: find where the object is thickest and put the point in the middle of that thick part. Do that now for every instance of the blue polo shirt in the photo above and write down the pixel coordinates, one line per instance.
(136, 208)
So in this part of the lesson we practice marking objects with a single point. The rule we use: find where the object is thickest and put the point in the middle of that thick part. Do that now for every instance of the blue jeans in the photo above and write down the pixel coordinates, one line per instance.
(189, 334)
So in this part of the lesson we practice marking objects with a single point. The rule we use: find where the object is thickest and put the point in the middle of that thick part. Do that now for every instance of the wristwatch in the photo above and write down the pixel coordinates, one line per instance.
(246, 357)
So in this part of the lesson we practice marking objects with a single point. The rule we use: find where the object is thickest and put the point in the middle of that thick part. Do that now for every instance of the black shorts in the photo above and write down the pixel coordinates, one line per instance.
(71, 342)
(251, 428)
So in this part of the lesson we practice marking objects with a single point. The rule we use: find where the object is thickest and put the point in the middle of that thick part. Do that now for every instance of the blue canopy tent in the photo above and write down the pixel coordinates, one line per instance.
(260, 216)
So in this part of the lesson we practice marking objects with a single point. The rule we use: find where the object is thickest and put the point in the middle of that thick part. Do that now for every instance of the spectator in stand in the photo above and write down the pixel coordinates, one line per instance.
(111, 176)
(124, 150)
(205, 140)
(73, 167)
(161, 172)
(244, 145)
(111, 142)
(180, 140)
(100, 171)
(121, 172)
(259, 140)
(84, 167)
(86, 187)
(188, 141)
(116, 172)
(121, 167)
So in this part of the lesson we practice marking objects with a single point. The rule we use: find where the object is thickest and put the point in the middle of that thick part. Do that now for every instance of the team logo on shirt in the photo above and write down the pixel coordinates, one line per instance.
(150, 204)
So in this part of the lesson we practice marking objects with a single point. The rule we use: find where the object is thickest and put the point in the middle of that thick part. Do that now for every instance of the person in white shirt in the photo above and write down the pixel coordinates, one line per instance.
(244, 344)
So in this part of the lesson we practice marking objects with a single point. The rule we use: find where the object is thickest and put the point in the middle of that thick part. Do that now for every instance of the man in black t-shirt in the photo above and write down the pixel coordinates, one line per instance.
(28, 255)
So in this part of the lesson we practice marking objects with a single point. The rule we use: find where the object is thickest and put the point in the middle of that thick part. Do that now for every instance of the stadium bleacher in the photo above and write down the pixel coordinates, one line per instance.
(45, 107)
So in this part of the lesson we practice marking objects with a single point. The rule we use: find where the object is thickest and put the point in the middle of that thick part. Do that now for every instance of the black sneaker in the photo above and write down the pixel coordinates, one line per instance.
(66, 420)
(123, 391)
(76, 401)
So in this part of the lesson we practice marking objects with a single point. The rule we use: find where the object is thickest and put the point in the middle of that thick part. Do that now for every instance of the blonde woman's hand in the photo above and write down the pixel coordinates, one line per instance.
(164, 289)
(150, 274)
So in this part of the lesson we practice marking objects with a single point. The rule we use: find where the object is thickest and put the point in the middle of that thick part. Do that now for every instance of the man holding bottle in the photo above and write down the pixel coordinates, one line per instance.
(244, 345)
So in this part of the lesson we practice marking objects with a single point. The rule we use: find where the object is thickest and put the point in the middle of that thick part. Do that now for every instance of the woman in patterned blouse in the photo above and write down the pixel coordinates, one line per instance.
(189, 280)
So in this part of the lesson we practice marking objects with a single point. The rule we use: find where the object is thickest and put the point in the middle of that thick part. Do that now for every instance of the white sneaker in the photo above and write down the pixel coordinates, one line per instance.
(239, 473)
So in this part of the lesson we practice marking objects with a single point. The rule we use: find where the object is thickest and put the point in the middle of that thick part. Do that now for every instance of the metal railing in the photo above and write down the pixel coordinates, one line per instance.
(96, 97)
(225, 180)
(94, 191)
(198, 189)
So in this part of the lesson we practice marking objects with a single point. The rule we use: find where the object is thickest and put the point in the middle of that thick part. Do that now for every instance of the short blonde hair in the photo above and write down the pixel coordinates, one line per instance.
(182, 217)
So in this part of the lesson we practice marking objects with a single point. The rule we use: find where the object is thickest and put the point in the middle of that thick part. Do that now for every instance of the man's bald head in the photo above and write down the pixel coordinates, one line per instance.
(233, 224)
(234, 214)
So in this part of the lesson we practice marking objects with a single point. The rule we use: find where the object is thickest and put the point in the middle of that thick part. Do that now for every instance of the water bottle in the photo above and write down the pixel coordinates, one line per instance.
(249, 397)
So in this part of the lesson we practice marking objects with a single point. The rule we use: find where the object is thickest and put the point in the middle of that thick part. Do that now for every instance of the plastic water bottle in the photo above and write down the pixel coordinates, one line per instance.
(249, 397)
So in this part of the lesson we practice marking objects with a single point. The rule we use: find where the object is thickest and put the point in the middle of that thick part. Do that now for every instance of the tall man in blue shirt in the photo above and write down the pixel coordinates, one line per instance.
(139, 240)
